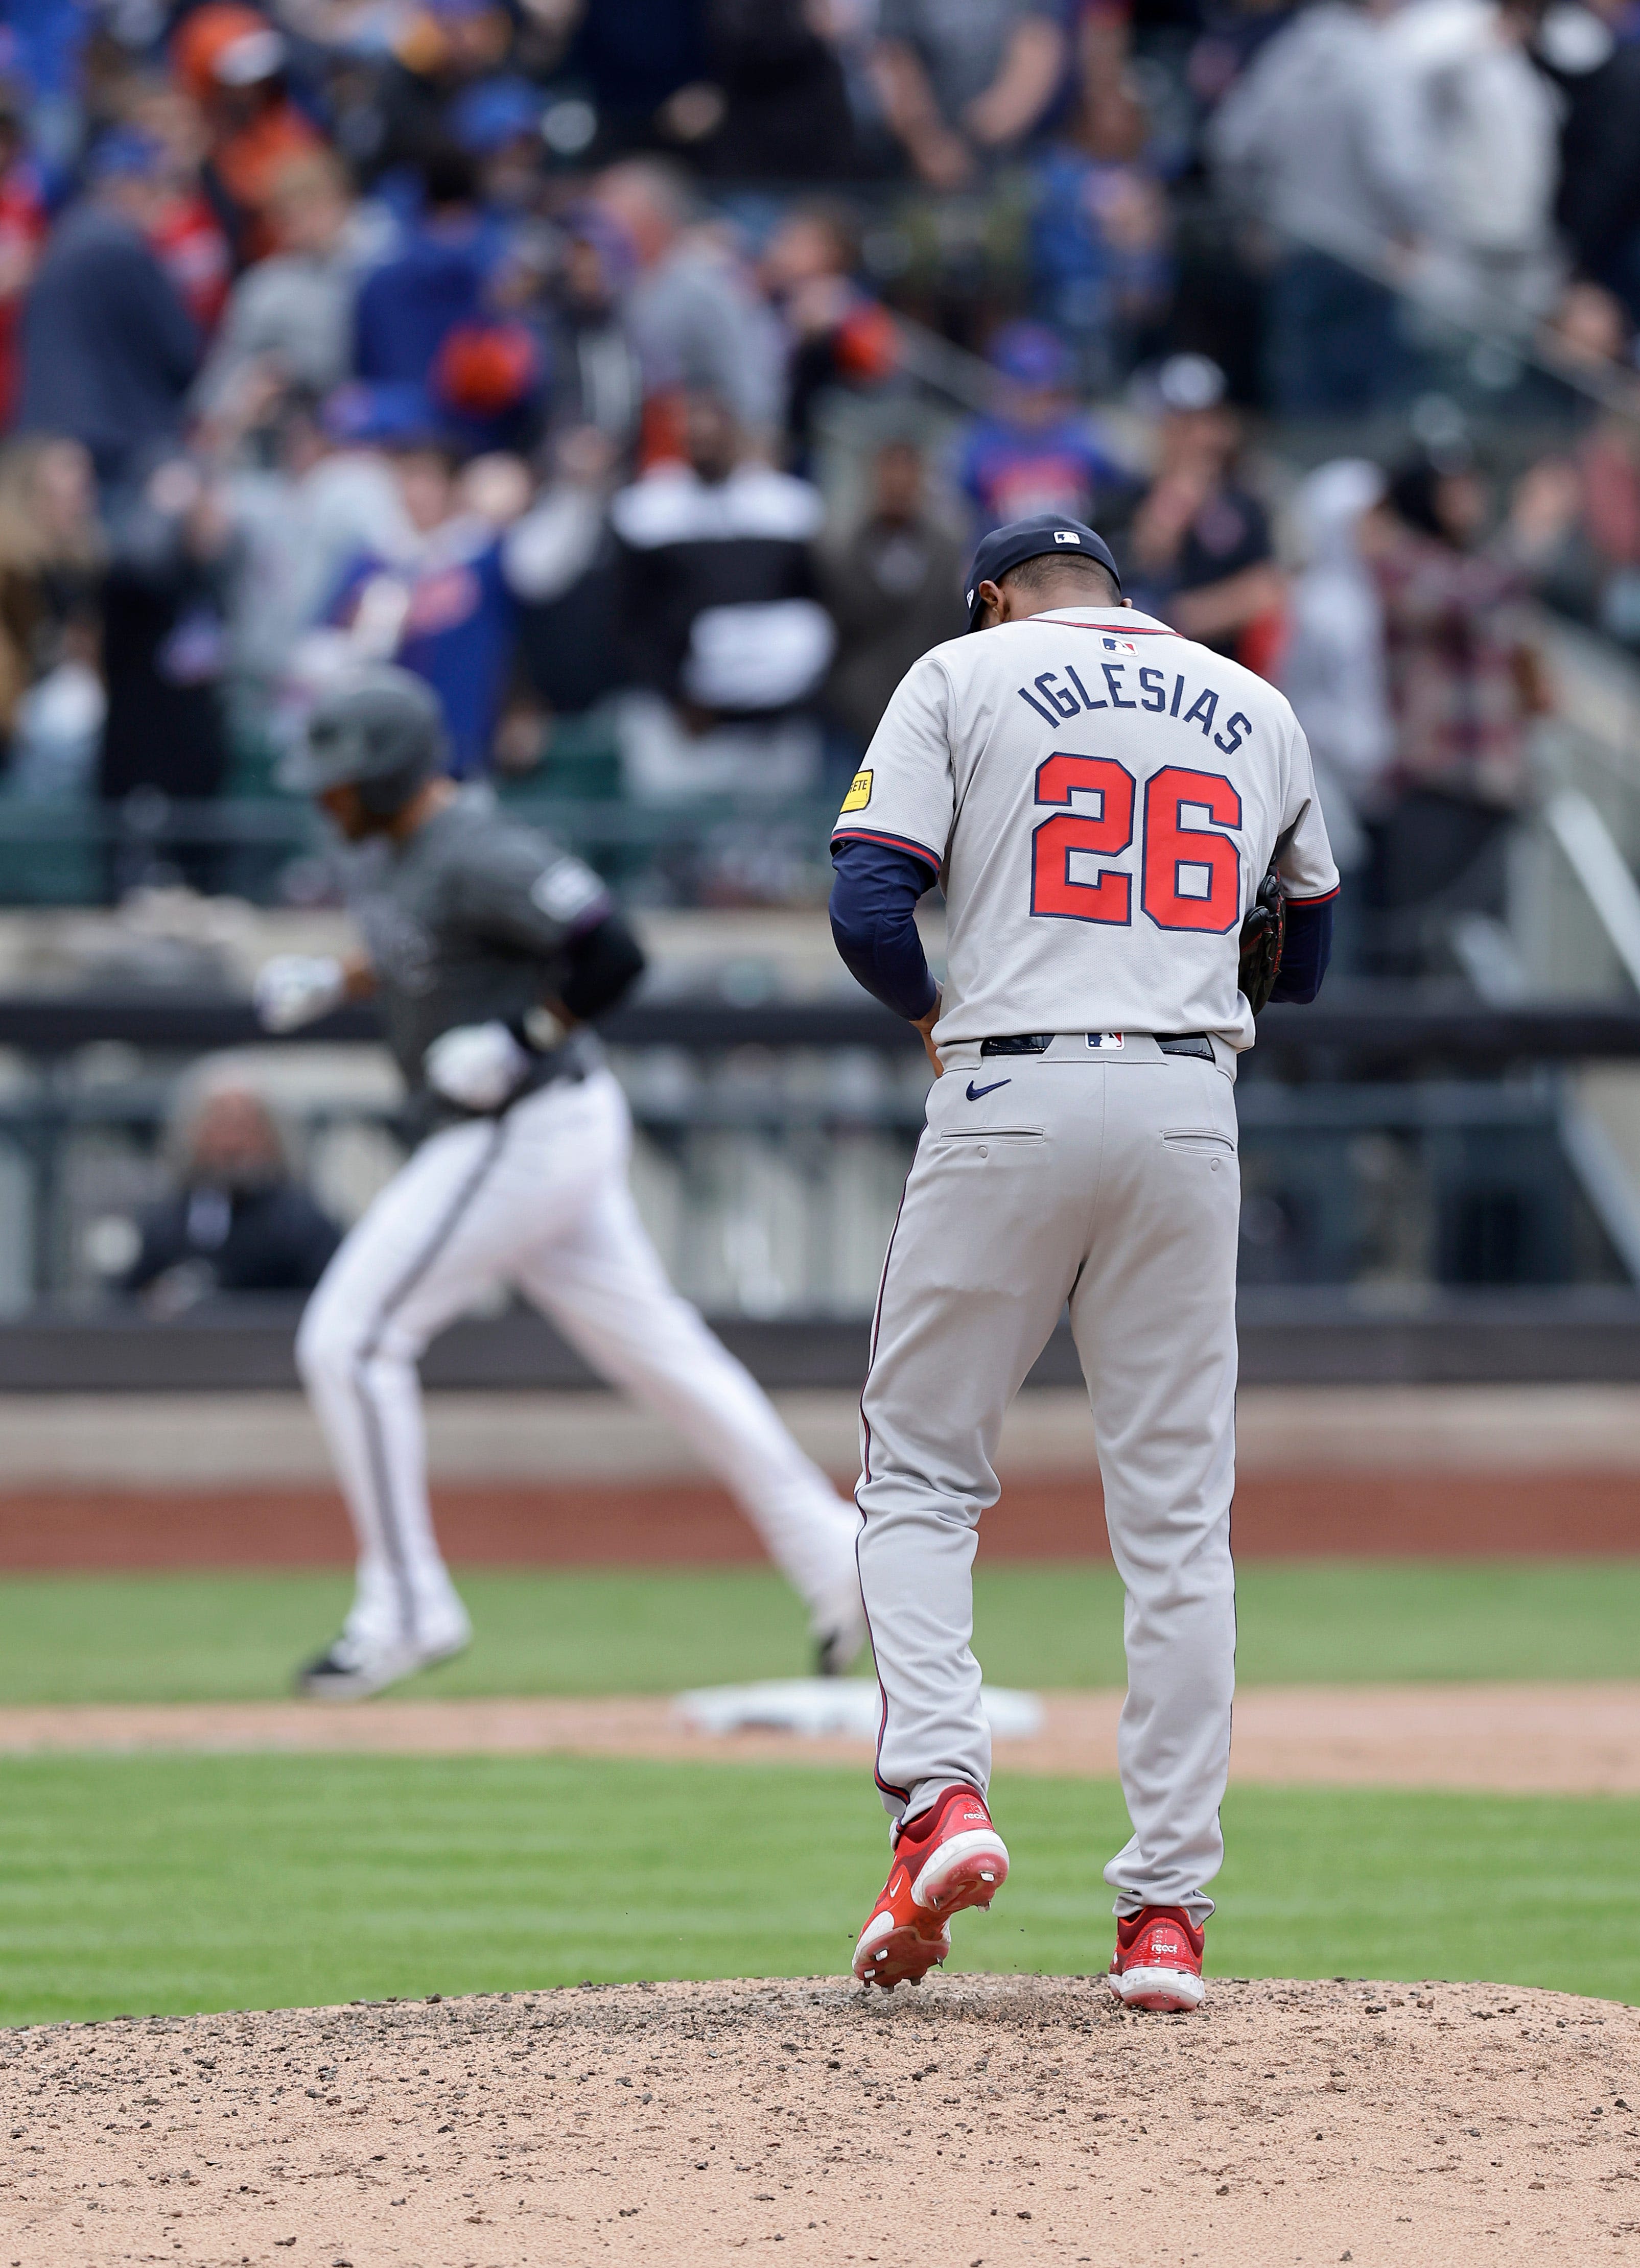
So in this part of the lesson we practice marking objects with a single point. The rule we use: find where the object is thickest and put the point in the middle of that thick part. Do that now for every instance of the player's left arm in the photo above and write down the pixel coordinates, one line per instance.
(1309, 882)
(874, 924)
(601, 966)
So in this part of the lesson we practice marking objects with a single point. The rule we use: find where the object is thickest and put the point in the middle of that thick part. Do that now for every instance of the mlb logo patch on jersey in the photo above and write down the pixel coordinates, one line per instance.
(859, 792)
(565, 889)
(1107, 1042)
(1119, 645)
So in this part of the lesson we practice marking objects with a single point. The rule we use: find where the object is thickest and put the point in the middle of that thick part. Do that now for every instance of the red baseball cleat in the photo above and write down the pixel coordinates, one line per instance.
(947, 1858)
(1158, 1961)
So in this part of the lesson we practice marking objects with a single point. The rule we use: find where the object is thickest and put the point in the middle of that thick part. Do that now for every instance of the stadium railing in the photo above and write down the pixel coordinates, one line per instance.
(1410, 1204)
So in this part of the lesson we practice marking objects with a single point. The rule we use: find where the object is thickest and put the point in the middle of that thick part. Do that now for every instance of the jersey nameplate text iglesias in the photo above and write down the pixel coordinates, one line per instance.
(1120, 791)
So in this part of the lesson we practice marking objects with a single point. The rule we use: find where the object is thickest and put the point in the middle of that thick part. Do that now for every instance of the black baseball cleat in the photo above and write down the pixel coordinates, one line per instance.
(350, 1669)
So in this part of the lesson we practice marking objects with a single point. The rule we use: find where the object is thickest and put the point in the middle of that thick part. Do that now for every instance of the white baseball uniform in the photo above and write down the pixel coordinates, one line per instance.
(1100, 798)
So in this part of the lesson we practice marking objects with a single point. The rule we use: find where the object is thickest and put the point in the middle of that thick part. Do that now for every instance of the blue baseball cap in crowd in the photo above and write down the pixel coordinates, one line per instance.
(127, 154)
(392, 414)
(494, 113)
(1031, 355)
(1034, 539)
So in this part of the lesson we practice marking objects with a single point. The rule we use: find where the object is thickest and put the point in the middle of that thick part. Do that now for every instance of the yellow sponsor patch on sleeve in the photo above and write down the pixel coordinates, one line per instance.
(859, 792)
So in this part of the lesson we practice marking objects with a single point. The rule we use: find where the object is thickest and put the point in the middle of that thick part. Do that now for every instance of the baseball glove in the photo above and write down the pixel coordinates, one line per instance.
(1264, 932)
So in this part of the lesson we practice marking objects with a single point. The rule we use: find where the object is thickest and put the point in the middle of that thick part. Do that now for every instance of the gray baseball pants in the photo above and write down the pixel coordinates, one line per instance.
(1107, 1178)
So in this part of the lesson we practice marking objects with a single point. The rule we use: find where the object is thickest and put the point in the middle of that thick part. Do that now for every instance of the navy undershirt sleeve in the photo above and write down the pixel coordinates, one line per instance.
(874, 905)
(1306, 951)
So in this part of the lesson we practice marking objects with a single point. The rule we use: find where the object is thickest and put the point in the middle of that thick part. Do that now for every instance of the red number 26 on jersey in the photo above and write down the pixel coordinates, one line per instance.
(1191, 875)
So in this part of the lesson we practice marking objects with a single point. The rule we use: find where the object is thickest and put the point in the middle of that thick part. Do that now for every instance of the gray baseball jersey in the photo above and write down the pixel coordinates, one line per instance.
(463, 923)
(1100, 798)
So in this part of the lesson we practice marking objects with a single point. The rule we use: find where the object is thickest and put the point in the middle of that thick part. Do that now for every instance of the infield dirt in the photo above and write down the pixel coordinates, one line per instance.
(1518, 1739)
(983, 2120)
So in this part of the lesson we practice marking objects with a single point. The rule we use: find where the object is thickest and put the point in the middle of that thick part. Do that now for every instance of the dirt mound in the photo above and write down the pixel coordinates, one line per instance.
(982, 2120)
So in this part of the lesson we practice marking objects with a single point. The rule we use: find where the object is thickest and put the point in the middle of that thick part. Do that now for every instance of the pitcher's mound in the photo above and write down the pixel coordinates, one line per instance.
(983, 2120)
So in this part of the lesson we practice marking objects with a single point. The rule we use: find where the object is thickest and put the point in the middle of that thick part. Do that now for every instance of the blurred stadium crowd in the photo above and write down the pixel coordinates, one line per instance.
(640, 373)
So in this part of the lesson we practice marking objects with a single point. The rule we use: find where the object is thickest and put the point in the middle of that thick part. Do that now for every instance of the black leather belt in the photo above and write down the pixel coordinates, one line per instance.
(1038, 1043)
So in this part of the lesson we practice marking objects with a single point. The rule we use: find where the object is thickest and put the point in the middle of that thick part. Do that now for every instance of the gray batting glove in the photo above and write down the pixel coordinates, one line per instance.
(294, 989)
(478, 1066)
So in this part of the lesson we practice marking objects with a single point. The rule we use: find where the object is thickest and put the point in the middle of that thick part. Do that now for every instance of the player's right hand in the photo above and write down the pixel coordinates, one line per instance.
(925, 1024)
(294, 989)
(480, 1066)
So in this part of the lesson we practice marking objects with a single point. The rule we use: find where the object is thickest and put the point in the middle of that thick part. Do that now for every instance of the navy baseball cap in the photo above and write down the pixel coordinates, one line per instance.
(1032, 539)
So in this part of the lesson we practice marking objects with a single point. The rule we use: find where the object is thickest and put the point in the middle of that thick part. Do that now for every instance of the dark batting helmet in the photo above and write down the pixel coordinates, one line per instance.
(378, 729)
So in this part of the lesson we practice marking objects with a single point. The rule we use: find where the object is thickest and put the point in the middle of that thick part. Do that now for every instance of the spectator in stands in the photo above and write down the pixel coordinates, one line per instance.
(498, 123)
(108, 351)
(1332, 670)
(696, 320)
(1036, 451)
(306, 506)
(838, 335)
(635, 62)
(434, 315)
(438, 590)
(438, 49)
(1595, 62)
(1197, 550)
(1325, 141)
(1099, 231)
(437, 280)
(1574, 520)
(437, 604)
(1494, 135)
(1233, 35)
(963, 81)
(1588, 336)
(164, 646)
(238, 1220)
(231, 60)
(723, 624)
(52, 556)
(290, 316)
(186, 236)
(894, 589)
(47, 48)
(23, 226)
(1574, 529)
(1464, 682)
(561, 556)
(775, 104)
(594, 374)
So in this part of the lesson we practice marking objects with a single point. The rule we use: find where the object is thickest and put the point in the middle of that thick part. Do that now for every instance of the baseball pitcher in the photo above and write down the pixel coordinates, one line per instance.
(491, 950)
(1103, 801)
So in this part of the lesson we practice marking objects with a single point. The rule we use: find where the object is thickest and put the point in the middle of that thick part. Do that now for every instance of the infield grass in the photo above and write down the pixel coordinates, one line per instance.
(168, 1883)
(238, 1636)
